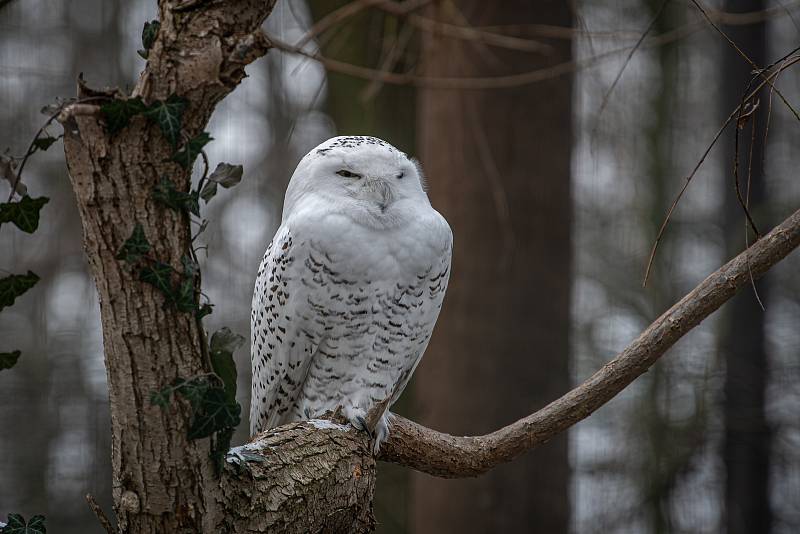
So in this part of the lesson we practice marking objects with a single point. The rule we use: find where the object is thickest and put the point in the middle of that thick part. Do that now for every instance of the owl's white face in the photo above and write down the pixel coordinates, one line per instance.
(363, 177)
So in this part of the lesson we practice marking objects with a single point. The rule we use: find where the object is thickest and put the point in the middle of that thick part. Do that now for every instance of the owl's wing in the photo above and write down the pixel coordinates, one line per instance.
(421, 318)
(282, 344)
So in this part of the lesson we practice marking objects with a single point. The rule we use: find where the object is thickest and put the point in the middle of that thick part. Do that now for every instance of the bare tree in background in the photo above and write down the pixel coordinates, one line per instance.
(498, 163)
(747, 434)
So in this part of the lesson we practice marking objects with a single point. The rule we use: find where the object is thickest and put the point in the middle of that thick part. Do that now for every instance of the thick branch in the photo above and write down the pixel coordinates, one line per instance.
(315, 476)
(448, 456)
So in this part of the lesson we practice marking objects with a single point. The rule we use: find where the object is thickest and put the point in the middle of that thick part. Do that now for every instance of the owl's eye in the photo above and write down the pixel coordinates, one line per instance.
(400, 176)
(348, 174)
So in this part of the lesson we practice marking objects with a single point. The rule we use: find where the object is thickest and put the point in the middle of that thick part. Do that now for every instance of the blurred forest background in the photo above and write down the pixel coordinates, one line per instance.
(555, 173)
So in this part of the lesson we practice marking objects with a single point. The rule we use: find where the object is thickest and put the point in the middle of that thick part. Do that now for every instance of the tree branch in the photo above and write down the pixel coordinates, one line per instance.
(448, 456)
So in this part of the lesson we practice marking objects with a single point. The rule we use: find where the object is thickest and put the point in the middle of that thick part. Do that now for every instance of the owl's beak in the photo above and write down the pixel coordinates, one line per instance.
(379, 191)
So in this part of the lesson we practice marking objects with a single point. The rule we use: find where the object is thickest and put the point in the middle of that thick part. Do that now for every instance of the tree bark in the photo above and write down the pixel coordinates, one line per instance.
(498, 167)
(163, 482)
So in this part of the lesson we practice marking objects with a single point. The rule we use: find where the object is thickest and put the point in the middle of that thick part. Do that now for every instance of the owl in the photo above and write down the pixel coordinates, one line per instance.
(349, 289)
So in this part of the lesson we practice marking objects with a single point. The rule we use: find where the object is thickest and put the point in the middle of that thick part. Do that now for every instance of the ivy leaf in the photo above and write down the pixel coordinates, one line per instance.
(226, 340)
(186, 155)
(149, 33)
(8, 360)
(214, 413)
(43, 143)
(135, 246)
(118, 112)
(168, 115)
(161, 397)
(184, 296)
(24, 213)
(158, 275)
(226, 175)
(15, 285)
(192, 390)
(221, 445)
(17, 525)
(190, 267)
(222, 346)
(208, 191)
(166, 193)
(204, 310)
(8, 172)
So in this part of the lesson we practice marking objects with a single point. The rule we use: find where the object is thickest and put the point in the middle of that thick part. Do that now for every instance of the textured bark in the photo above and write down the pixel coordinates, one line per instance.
(499, 167)
(315, 477)
(162, 481)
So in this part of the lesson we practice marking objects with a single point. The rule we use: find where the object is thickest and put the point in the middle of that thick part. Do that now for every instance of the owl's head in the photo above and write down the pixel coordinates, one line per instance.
(362, 176)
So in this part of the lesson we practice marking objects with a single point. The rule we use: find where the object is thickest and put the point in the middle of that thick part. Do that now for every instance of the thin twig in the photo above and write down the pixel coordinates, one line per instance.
(787, 62)
(740, 116)
(31, 150)
(741, 52)
(470, 33)
(389, 62)
(99, 514)
(569, 33)
(747, 204)
(633, 50)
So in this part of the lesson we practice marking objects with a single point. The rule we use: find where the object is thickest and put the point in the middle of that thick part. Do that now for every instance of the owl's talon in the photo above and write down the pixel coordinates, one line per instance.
(362, 423)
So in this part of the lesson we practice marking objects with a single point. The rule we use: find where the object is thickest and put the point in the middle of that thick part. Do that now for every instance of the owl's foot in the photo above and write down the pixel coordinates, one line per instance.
(361, 424)
(378, 435)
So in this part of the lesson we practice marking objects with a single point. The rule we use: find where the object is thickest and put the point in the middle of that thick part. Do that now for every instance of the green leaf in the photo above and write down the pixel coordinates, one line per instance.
(226, 175)
(208, 191)
(222, 346)
(17, 525)
(158, 275)
(214, 413)
(169, 116)
(118, 112)
(162, 397)
(135, 246)
(166, 193)
(149, 33)
(24, 213)
(221, 445)
(9, 359)
(226, 340)
(15, 285)
(204, 310)
(190, 267)
(43, 143)
(184, 296)
(192, 390)
(189, 152)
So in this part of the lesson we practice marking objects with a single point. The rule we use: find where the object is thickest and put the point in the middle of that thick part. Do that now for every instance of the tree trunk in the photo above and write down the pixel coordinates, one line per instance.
(747, 434)
(163, 482)
(498, 167)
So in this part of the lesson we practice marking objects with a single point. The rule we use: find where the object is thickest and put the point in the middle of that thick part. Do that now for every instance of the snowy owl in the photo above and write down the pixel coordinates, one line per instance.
(349, 288)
